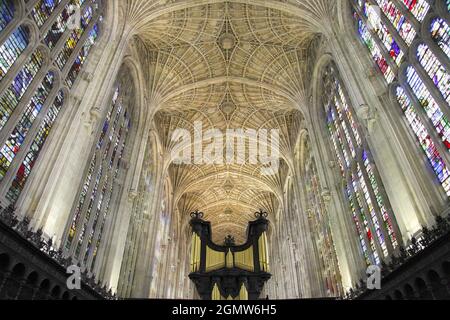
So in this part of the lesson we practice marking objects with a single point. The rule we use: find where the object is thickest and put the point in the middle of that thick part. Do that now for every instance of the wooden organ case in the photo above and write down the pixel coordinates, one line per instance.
(229, 272)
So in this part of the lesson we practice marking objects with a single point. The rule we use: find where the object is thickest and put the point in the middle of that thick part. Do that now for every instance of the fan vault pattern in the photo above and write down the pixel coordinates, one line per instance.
(230, 65)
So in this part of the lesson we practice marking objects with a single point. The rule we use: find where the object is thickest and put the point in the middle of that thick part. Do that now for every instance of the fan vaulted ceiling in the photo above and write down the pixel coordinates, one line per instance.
(230, 65)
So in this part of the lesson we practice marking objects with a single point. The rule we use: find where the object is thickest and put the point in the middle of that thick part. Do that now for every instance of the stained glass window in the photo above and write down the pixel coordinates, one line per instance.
(73, 39)
(16, 139)
(425, 140)
(12, 49)
(401, 23)
(385, 36)
(440, 32)
(419, 8)
(432, 109)
(35, 117)
(60, 25)
(375, 51)
(82, 56)
(38, 143)
(435, 70)
(6, 13)
(370, 26)
(11, 98)
(367, 203)
(43, 10)
(85, 230)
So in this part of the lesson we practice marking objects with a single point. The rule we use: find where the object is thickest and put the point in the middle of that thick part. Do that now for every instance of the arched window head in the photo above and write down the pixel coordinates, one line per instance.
(42, 11)
(440, 33)
(425, 139)
(33, 90)
(7, 11)
(99, 194)
(13, 47)
(416, 68)
(435, 70)
(368, 205)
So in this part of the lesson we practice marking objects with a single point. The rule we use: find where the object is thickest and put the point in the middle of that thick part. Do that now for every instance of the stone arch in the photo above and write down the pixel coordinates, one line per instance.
(44, 288)
(409, 292)
(12, 285)
(30, 284)
(5, 261)
(186, 4)
(398, 295)
(65, 296)
(422, 289)
(436, 285)
(56, 292)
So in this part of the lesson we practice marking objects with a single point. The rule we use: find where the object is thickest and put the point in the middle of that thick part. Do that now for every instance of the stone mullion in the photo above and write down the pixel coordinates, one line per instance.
(367, 211)
(10, 28)
(20, 156)
(79, 46)
(336, 144)
(351, 227)
(358, 159)
(95, 263)
(345, 143)
(408, 14)
(83, 210)
(348, 179)
(433, 46)
(379, 43)
(33, 44)
(62, 40)
(19, 16)
(106, 174)
(110, 181)
(384, 196)
(103, 249)
(55, 14)
(99, 163)
(23, 102)
(357, 213)
(30, 5)
(393, 31)
(85, 206)
(439, 7)
(346, 120)
(359, 150)
(427, 122)
(434, 91)
(376, 206)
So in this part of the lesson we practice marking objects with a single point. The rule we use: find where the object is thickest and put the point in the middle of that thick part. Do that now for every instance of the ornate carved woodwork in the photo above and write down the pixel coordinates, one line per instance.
(229, 271)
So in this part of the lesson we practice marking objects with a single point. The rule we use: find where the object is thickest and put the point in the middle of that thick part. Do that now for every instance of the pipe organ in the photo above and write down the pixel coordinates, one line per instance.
(229, 271)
